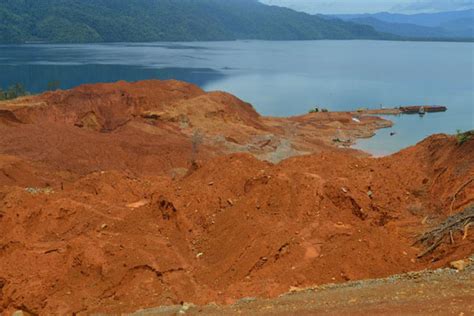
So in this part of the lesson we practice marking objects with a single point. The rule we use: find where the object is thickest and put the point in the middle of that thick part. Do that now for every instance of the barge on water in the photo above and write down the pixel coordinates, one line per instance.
(422, 109)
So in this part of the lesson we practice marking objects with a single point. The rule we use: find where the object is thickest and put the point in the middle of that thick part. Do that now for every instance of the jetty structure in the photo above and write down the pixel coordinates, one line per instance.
(416, 109)
(411, 109)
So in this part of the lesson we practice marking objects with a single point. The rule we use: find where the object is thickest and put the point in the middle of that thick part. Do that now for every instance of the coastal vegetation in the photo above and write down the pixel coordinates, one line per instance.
(13, 92)
(18, 90)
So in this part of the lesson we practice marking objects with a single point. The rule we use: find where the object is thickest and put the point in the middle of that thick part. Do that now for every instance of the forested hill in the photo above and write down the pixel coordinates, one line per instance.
(79, 21)
(443, 25)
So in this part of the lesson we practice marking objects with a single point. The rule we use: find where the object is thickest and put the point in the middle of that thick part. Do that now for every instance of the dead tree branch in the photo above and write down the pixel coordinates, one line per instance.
(458, 222)
(459, 191)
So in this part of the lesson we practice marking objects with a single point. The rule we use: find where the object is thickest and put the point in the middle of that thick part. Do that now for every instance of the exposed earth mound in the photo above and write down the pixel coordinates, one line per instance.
(107, 126)
(116, 197)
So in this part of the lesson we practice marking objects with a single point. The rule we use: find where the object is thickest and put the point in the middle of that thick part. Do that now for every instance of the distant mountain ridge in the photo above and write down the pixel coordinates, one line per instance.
(453, 24)
(79, 21)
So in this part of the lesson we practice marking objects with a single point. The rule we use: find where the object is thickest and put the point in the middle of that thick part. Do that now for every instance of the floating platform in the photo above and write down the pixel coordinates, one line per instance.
(416, 109)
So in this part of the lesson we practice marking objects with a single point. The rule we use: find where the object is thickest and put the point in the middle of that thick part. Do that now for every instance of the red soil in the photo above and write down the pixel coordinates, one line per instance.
(101, 210)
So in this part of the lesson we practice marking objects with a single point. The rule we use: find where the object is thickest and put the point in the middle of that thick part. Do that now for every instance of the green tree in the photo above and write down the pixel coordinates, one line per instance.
(11, 93)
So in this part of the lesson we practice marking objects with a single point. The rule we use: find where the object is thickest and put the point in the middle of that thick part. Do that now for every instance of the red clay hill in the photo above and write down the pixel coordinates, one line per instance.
(116, 197)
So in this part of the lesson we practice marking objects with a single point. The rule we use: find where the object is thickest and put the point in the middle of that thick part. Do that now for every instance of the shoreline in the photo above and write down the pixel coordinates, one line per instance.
(225, 122)
(268, 138)
(427, 40)
(406, 110)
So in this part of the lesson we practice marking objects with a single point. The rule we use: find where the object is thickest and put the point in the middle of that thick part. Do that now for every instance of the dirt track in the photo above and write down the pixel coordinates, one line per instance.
(111, 203)
(439, 292)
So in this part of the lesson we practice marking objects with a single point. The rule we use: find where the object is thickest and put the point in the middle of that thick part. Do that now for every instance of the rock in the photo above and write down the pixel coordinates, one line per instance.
(246, 300)
(459, 264)
(152, 115)
(295, 289)
(20, 313)
(138, 204)
(35, 191)
(184, 308)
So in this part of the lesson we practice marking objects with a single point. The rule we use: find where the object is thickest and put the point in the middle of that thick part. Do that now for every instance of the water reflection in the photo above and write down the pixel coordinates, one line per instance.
(36, 76)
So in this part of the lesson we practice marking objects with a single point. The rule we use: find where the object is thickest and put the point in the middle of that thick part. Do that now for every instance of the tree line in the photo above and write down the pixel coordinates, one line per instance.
(18, 90)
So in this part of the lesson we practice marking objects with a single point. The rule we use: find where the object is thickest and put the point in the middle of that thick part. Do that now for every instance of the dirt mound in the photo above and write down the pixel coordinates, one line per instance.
(145, 213)
(108, 106)
(7, 117)
(234, 227)
(449, 164)
(107, 126)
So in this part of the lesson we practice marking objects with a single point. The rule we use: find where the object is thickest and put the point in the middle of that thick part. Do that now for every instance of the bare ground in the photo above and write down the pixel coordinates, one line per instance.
(437, 292)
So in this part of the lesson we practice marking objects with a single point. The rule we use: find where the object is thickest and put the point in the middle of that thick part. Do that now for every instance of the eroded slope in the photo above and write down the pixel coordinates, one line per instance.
(118, 212)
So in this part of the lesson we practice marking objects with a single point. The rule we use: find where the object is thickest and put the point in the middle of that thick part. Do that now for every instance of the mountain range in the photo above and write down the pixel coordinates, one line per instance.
(453, 24)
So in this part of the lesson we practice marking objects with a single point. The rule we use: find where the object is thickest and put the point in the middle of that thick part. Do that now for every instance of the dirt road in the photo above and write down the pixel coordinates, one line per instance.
(439, 292)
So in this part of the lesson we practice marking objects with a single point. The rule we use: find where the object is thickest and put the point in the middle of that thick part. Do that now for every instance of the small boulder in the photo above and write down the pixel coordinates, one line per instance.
(20, 313)
(459, 264)
(138, 204)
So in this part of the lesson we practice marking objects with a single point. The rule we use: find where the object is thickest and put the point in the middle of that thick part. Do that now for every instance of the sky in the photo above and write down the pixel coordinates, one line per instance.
(372, 6)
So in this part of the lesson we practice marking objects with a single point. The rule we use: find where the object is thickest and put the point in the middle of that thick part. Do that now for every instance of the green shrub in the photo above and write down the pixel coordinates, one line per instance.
(463, 137)
(13, 92)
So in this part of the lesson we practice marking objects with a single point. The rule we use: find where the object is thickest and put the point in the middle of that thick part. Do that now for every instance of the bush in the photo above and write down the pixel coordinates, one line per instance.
(463, 137)
(13, 92)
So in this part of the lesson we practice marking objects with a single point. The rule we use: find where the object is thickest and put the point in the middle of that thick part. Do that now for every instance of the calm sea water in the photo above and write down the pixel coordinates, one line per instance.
(279, 78)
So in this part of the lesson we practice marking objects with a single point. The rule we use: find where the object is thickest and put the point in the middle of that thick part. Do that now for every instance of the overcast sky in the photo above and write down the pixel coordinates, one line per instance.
(372, 6)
